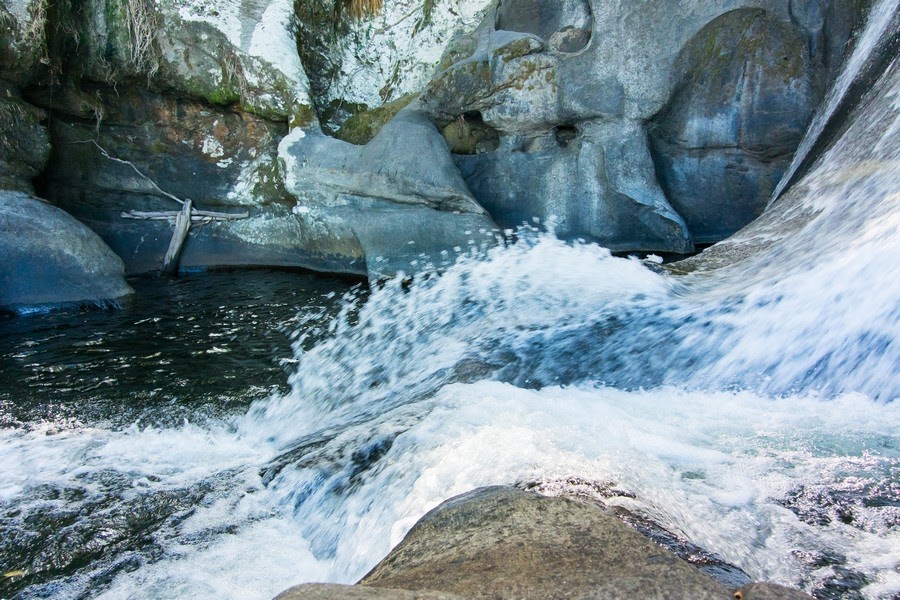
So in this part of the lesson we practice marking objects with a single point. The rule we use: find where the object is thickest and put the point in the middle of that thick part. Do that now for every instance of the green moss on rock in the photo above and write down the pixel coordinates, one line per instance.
(362, 127)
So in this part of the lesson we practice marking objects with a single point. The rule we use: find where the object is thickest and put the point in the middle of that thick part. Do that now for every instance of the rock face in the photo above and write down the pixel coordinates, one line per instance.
(50, 259)
(544, 105)
(400, 196)
(223, 160)
(358, 65)
(557, 98)
(745, 93)
(851, 187)
(188, 99)
(25, 142)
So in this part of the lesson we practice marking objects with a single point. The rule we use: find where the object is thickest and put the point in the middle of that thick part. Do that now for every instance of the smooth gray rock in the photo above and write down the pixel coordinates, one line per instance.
(515, 75)
(829, 27)
(505, 543)
(400, 196)
(50, 259)
(744, 98)
(859, 169)
(408, 162)
(597, 181)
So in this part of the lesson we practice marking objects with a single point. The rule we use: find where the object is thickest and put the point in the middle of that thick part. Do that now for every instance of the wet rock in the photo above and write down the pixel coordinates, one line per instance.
(848, 164)
(400, 196)
(505, 543)
(744, 97)
(222, 160)
(829, 26)
(534, 68)
(50, 259)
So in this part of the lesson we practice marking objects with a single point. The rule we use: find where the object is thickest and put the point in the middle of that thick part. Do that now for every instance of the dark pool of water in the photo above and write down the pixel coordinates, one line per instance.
(206, 343)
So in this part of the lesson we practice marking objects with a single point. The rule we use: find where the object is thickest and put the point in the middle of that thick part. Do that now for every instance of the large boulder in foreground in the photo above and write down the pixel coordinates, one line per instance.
(502, 542)
(400, 197)
(50, 259)
(505, 543)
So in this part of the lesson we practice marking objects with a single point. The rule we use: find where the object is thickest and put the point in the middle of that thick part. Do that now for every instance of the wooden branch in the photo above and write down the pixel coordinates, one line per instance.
(182, 225)
(138, 171)
(196, 215)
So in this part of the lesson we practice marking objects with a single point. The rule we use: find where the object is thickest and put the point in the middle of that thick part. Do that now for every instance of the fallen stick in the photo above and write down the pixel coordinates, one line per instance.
(182, 225)
(196, 215)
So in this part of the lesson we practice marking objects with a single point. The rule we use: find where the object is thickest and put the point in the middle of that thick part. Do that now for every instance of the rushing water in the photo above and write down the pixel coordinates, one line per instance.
(131, 466)
(231, 435)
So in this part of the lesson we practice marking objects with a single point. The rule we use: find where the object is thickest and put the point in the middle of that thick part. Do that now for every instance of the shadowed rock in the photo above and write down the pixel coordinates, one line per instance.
(744, 97)
(50, 259)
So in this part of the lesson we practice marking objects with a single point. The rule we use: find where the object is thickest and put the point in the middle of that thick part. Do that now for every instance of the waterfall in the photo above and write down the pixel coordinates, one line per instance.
(881, 30)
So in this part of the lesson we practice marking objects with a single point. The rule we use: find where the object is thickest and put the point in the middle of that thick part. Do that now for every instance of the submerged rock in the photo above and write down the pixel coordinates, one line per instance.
(50, 259)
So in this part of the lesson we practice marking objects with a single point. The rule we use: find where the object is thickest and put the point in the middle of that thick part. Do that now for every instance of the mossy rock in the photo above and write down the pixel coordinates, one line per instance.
(362, 127)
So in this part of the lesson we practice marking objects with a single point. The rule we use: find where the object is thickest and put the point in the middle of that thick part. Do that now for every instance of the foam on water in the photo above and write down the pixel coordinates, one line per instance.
(498, 372)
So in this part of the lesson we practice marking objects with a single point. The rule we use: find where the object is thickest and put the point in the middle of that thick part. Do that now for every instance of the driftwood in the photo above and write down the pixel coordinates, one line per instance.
(183, 219)
(182, 225)
(204, 216)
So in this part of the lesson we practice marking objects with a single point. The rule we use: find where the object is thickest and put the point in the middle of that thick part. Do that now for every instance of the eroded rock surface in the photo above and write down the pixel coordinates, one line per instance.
(400, 196)
(564, 91)
(745, 93)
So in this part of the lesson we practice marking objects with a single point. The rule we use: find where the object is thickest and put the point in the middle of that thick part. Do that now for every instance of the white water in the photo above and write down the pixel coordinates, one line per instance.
(715, 467)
